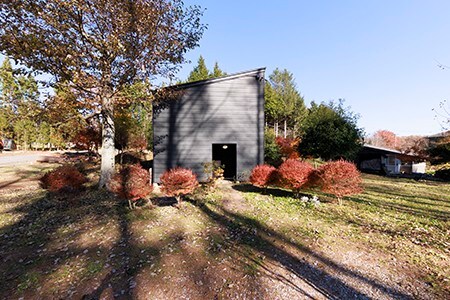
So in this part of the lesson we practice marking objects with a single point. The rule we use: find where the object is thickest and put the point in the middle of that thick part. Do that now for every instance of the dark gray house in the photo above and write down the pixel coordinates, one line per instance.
(219, 119)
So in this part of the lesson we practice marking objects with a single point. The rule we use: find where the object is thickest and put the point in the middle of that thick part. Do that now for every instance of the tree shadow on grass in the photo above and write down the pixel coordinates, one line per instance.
(275, 192)
(278, 192)
(45, 240)
(386, 188)
(251, 233)
(428, 212)
(85, 246)
(20, 176)
(57, 247)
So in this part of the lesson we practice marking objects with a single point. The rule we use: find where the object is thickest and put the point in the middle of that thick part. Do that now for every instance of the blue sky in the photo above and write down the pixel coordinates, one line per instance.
(380, 56)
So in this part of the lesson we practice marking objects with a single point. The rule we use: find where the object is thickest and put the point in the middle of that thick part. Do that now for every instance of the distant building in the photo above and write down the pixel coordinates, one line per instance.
(8, 144)
(375, 159)
(220, 119)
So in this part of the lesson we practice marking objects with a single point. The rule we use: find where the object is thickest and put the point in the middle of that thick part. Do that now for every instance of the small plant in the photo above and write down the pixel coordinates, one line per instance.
(178, 182)
(66, 178)
(214, 171)
(263, 175)
(131, 183)
(294, 174)
(339, 178)
(313, 201)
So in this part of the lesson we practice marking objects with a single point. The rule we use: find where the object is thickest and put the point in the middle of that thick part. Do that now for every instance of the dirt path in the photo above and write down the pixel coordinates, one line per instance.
(342, 270)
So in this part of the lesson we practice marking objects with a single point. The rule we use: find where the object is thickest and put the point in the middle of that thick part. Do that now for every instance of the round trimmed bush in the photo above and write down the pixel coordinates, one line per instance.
(131, 183)
(178, 182)
(294, 174)
(263, 175)
(66, 178)
(340, 178)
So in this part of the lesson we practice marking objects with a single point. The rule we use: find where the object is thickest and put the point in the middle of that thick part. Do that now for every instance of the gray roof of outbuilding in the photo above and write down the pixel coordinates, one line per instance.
(217, 79)
(382, 148)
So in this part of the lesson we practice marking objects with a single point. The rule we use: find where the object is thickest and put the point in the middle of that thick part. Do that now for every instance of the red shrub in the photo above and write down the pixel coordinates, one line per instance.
(177, 182)
(263, 175)
(340, 178)
(294, 174)
(132, 183)
(65, 178)
(288, 147)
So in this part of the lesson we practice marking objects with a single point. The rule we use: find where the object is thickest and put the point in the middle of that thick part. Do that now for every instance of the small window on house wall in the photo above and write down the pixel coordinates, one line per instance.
(391, 160)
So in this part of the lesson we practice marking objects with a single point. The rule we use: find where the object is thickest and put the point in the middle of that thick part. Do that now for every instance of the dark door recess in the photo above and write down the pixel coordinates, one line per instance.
(226, 155)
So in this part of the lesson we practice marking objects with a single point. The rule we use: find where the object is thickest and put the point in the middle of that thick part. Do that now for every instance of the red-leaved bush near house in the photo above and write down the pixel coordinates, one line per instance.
(294, 174)
(65, 178)
(263, 175)
(288, 147)
(178, 182)
(131, 183)
(340, 178)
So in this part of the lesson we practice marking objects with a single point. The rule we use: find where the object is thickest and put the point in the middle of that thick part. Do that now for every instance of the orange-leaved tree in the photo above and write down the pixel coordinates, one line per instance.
(99, 47)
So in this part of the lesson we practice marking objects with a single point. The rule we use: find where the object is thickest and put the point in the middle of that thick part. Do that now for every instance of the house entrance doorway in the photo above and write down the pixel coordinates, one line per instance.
(225, 154)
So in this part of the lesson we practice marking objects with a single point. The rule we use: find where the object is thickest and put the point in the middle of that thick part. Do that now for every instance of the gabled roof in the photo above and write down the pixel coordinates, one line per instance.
(255, 72)
(387, 150)
(374, 150)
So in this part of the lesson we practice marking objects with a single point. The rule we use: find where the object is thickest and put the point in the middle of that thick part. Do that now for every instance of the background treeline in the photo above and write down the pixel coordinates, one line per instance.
(325, 130)
(64, 119)
(67, 119)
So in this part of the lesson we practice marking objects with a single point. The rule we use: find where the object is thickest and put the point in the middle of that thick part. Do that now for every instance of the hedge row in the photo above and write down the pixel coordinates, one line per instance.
(340, 178)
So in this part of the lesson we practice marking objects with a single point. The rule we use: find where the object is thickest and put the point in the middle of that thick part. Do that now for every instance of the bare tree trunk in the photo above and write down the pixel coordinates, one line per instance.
(108, 150)
(285, 128)
(276, 128)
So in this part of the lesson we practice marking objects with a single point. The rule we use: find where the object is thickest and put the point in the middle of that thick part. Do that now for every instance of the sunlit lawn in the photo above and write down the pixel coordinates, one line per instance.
(91, 244)
(404, 217)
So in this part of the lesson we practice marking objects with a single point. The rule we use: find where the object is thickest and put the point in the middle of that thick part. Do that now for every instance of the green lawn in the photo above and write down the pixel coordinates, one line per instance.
(234, 241)
(408, 219)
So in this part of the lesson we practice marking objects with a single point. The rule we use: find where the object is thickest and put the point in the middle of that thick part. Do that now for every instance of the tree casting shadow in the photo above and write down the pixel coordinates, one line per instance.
(251, 233)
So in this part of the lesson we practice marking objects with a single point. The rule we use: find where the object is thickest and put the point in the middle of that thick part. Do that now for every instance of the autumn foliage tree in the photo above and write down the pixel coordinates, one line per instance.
(178, 182)
(340, 178)
(414, 145)
(288, 147)
(384, 138)
(294, 174)
(97, 47)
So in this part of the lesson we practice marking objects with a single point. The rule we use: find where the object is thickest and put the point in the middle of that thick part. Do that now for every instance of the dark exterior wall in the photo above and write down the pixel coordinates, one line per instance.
(227, 110)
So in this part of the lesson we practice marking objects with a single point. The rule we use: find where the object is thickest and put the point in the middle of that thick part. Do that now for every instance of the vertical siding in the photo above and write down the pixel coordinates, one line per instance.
(228, 110)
